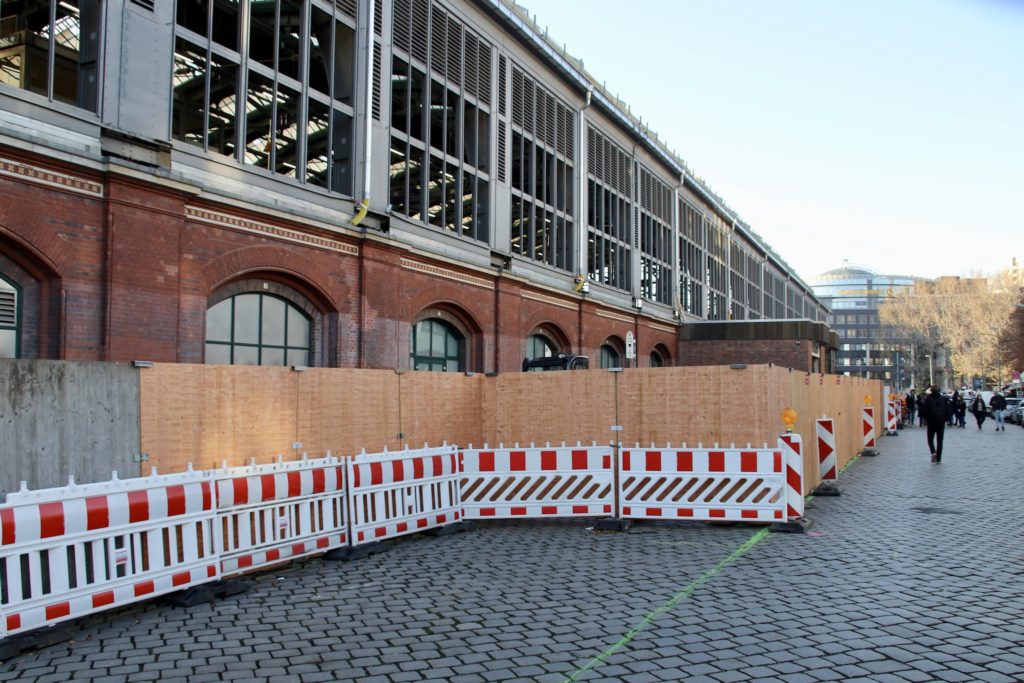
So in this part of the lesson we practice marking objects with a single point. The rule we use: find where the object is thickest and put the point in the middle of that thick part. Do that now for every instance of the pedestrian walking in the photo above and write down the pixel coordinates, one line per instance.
(978, 409)
(911, 407)
(936, 410)
(998, 404)
(960, 408)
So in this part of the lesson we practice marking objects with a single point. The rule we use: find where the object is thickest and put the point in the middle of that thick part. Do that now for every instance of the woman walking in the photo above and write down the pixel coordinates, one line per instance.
(978, 409)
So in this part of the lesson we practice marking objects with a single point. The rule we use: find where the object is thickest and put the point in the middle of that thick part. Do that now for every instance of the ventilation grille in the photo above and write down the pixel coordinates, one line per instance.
(420, 27)
(149, 5)
(8, 308)
(608, 162)
(502, 97)
(347, 7)
(655, 196)
(378, 17)
(375, 102)
(540, 114)
(400, 25)
(502, 145)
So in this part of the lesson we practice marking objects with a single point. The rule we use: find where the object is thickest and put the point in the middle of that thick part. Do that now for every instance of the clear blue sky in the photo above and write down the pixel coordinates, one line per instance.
(889, 133)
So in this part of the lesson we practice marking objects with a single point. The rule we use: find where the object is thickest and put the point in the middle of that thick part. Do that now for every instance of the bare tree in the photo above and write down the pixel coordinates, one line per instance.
(1011, 342)
(965, 317)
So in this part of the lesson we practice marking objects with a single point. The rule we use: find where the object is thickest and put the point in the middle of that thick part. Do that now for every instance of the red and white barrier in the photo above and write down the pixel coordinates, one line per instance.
(702, 484)
(70, 551)
(792, 457)
(825, 430)
(891, 418)
(267, 514)
(867, 422)
(392, 494)
(537, 482)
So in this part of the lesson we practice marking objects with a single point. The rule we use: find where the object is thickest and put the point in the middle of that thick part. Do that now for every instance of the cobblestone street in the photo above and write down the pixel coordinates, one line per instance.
(913, 574)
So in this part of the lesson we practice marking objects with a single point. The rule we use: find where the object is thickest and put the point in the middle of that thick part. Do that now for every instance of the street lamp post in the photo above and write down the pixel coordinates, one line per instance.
(931, 374)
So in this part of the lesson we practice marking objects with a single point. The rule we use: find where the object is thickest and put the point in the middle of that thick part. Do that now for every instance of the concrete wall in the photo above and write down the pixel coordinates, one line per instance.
(60, 418)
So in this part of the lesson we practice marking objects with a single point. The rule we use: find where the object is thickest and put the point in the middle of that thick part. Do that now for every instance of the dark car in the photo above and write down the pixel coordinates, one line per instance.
(562, 361)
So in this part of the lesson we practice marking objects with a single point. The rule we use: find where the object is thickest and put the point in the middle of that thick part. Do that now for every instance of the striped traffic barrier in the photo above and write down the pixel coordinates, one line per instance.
(891, 419)
(515, 482)
(71, 551)
(396, 493)
(791, 446)
(714, 484)
(867, 424)
(268, 514)
(824, 429)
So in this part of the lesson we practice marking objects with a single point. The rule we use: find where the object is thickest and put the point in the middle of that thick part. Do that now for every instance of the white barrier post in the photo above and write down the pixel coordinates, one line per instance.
(867, 422)
(791, 446)
(828, 465)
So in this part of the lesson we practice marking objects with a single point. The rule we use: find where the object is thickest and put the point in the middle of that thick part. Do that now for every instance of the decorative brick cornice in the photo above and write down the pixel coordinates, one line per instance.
(224, 220)
(661, 328)
(47, 178)
(550, 300)
(614, 316)
(446, 273)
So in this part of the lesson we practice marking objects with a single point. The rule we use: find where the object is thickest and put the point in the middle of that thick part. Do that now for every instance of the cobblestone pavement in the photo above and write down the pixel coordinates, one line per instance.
(913, 574)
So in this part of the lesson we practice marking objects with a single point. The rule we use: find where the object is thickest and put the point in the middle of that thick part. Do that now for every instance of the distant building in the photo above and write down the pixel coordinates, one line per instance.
(854, 295)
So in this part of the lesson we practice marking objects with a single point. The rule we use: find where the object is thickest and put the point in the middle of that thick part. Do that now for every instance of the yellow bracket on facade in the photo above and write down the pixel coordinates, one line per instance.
(364, 206)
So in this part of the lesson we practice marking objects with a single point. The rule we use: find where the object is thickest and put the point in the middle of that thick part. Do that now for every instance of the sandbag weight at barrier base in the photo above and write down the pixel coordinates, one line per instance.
(709, 484)
(268, 514)
(100, 546)
(505, 483)
(867, 423)
(791, 446)
(828, 467)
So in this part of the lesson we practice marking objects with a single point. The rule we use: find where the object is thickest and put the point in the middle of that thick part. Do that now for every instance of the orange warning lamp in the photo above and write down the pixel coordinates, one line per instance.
(867, 399)
(789, 419)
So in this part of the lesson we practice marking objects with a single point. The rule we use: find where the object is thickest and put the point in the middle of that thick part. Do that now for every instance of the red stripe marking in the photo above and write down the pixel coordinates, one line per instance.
(486, 512)
(245, 561)
(402, 527)
(549, 510)
(294, 484)
(103, 599)
(748, 514)
(831, 474)
(211, 571)
(268, 487)
(7, 533)
(684, 512)
(716, 514)
(273, 555)
(778, 514)
(438, 465)
(144, 588)
(356, 477)
(748, 461)
(398, 471)
(518, 511)
(441, 519)
(625, 461)
(794, 480)
(417, 468)
(580, 509)
(181, 578)
(138, 506)
(97, 513)
(380, 531)
(716, 461)
(827, 424)
(13, 622)
(777, 464)
(175, 500)
(376, 474)
(606, 462)
(517, 461)
(339, 478)
(324, 542)
(420, 523)
(627, 510)
(548, 460)
(240, 490)
(61, 609)
(684, 461)
(51, 519)
(207, 496)
(320, 480)
(456, 516)
(654, 512)
(362, 536)
(579, 460)
(790, 512)
(608, 508)
(299, 548)
(653, 461)
(487, 462)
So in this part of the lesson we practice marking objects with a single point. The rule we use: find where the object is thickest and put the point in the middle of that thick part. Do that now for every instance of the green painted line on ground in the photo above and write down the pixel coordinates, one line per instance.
(675, 600)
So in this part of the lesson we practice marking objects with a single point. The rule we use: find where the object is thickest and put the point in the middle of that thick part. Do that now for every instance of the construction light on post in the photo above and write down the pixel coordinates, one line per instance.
(638, 304)
(789, 419)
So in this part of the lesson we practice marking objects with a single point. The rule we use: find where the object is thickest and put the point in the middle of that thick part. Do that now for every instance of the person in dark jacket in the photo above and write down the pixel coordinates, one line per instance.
(978, 409)
(937, 410)
(998, 404)
(960, 408)
(911, 407)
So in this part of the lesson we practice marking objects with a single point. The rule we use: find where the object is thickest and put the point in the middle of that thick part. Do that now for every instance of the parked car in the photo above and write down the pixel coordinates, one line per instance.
(1013, 411)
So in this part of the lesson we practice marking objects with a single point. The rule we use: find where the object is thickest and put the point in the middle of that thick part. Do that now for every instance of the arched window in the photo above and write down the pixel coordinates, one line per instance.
(610, 357)
(9, 317)
(540, 346)
(436, 347)
(657, 360)
(257, 329)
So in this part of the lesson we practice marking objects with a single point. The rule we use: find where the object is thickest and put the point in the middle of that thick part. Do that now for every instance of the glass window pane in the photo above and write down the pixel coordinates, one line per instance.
(290, 26)
(344, 63)
(296, 357)
(271, 356)
(259, 112)
(223, 102)
(218, 354)
(320, 51)
(438, 338)
(415, 183)
(192, 14)
(399, 92)
(341, 144)
(225, 23)
(451, 343)
(261, 32)
(247, 319)
(247, 355)
(218, 322)
(273, 321)
(452, 366)
(189, 82)
(451, 194)
(317, 156)
(287, 130)
(298, 328)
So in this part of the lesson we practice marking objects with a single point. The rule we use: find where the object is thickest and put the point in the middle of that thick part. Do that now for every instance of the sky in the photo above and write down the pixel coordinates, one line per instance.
(887, 134)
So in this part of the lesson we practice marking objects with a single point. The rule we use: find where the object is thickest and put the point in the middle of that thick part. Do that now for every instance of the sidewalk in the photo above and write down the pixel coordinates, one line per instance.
(915, 573)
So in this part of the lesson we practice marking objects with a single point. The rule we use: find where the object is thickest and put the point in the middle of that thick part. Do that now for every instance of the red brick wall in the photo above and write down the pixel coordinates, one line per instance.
(785, 352)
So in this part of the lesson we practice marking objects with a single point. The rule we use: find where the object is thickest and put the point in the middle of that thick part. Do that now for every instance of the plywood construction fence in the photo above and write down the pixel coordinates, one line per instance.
(209, 415)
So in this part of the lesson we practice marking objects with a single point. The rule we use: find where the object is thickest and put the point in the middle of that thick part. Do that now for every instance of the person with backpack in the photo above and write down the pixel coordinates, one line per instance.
(998, 404)
(937, 410)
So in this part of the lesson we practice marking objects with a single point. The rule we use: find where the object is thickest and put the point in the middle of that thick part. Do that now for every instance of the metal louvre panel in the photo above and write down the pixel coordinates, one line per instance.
(454, 70)
(400, 25)
(470, 80)
(347, 7)
(518, 95)
(540, 117)
(375, 101)
(502, 97)
(484, 64)
(550, 122)
(528, 118)
(438, 40)
(502, 176)
(378, 17)
(592, 151)
(8, 308)
(420, 29)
